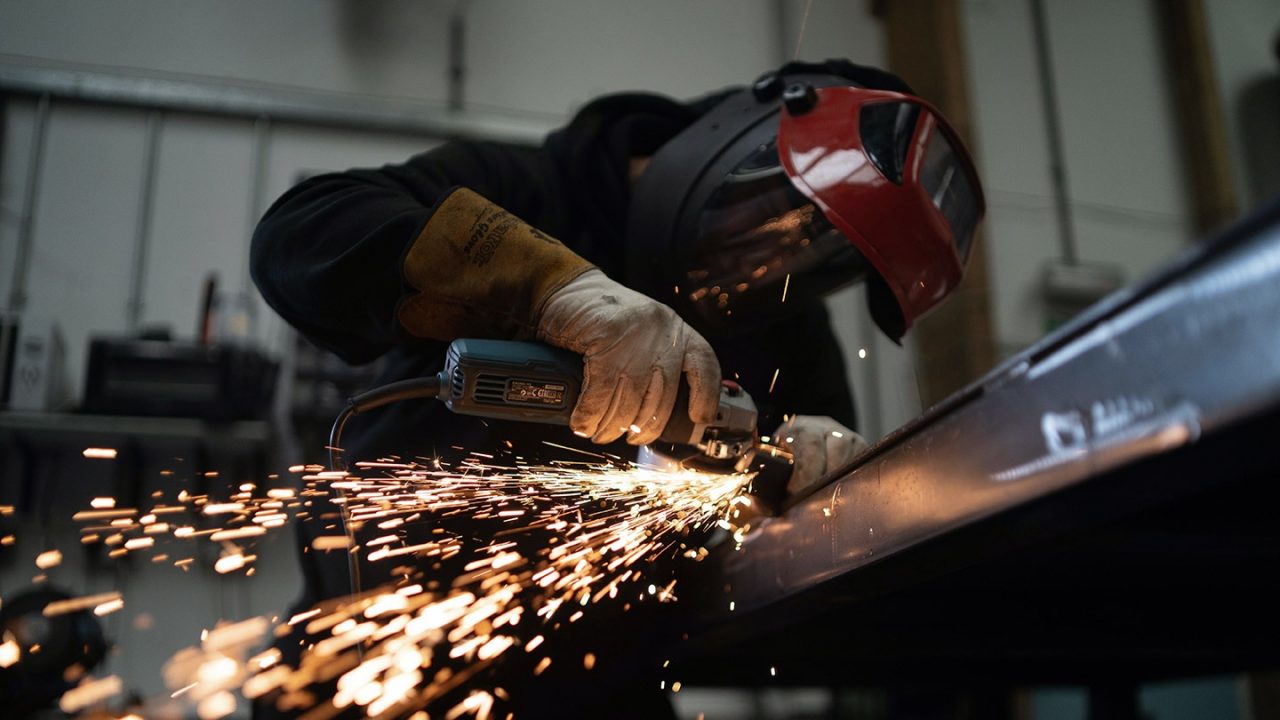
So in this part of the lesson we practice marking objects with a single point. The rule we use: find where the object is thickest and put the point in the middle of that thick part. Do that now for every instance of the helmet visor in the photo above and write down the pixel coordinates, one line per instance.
(760, 242)
(889, 173)
(948, 184)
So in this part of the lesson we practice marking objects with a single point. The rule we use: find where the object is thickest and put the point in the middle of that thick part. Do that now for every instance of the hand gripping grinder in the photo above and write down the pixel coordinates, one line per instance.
(532, 382)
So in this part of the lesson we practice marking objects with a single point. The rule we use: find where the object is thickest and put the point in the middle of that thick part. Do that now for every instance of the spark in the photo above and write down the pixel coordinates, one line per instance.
(774, 381)
(331, 542)
(108, 607)
(90, 692)
(10, 652)
(48, 559)
(182, 690)
(785, 285)
(238, 533)
(63, 607)
(96, 453)
(232, 562)
(862, 353)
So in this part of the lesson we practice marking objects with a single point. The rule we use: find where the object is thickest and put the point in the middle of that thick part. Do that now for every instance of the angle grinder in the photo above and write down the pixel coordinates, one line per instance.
(532, 382)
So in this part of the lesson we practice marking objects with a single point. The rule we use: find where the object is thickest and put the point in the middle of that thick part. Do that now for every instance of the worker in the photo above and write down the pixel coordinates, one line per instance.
(659, 239)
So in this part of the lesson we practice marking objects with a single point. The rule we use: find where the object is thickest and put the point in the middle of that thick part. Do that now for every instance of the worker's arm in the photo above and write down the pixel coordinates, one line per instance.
(366, 259)
(328, 255)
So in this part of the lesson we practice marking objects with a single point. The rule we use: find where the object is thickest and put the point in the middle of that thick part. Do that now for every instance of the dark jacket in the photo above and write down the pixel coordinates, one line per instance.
(328, 254)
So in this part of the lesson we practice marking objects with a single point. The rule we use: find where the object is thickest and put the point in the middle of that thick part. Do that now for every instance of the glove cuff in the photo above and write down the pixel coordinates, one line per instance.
(480, 271)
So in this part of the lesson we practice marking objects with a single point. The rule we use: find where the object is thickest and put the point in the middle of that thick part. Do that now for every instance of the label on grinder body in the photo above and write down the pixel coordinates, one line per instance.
(533, 392)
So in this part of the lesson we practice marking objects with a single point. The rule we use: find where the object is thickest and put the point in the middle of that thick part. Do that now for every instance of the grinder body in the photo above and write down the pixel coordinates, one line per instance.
(532, 382)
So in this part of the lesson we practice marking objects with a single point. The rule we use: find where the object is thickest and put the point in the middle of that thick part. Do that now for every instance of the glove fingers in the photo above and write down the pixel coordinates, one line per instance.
(703, 371)
(594, 400)
(655, 408)
(809, 450)
(820, 445)
(622, 412)
(843, 449)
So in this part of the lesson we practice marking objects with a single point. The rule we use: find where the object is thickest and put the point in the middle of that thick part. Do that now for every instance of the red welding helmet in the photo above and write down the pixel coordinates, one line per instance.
(799, 185)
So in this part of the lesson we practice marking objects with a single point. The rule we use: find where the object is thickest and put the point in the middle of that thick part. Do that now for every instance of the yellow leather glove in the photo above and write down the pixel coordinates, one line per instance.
(480, 271)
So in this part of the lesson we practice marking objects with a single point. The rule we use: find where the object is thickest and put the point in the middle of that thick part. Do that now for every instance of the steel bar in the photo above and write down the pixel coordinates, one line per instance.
(1189, 353)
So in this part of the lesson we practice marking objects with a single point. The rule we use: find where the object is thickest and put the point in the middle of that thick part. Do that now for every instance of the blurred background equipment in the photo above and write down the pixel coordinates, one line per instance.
(43, 654)
(38, 381)
(153, 376)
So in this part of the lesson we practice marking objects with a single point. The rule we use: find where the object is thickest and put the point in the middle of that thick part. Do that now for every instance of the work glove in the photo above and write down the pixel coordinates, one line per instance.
(476, 270)
(819, 445)
(635, 350)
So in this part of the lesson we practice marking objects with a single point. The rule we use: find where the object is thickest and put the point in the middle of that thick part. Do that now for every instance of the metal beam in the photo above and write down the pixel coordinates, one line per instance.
(1190, 353)
(1095, 510)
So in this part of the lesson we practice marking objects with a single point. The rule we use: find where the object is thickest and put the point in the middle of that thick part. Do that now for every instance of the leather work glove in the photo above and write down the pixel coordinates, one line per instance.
(819, 445)
(635, 350)
(479, 271)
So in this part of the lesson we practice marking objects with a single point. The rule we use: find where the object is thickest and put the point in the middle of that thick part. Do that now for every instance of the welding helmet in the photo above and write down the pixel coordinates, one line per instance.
(796, 186)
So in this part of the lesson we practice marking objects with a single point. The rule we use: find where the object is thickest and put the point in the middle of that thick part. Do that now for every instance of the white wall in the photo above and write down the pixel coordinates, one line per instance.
(379, 47)
(1125, 181)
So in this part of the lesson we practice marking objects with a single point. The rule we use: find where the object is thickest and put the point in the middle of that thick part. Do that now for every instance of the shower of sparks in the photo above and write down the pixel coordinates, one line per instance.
(487, 560)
